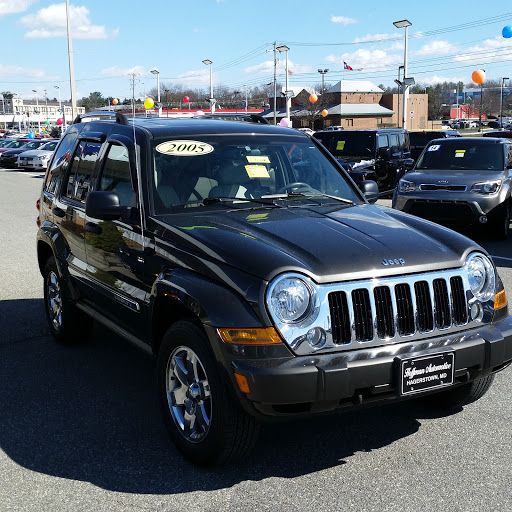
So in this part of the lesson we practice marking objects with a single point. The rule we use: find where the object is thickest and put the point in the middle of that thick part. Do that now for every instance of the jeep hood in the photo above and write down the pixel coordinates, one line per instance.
(327, 243)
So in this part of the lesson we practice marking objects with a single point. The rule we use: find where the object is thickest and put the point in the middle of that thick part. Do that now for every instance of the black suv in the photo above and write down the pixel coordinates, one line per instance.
(379, 155)
(461, 183)
(260, 277)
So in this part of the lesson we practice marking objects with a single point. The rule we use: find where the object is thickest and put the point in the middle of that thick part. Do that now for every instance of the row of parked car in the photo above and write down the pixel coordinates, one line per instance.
(460, 182)
(25, 153)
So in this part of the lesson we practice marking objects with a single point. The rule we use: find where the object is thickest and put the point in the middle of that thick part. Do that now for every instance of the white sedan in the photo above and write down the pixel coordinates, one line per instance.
(37, 158)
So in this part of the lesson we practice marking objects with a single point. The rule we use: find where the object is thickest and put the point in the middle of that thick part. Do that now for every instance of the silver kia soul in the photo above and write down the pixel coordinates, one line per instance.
(461, 182)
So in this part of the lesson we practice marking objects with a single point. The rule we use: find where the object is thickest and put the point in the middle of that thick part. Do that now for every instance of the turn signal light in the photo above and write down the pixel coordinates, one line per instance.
(256, 336)
(500, 300)
(242, 383)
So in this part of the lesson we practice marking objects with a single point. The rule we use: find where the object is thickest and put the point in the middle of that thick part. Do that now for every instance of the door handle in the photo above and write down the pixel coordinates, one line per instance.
(58, 212)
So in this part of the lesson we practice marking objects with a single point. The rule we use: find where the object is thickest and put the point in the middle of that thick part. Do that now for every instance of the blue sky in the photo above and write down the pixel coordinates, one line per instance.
(113, 38)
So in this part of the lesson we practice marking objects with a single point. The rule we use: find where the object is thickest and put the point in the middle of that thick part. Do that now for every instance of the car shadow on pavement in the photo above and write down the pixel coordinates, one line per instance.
(89, 412)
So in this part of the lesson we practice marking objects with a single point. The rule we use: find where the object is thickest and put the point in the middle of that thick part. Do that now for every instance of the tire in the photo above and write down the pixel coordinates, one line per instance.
(462, 395)
(68, 324)
(204, 423)
(501, 225)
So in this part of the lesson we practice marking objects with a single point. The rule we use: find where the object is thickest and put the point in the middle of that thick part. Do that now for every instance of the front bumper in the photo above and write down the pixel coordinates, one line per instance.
(8, 161)
(286, 386)
(448, 209)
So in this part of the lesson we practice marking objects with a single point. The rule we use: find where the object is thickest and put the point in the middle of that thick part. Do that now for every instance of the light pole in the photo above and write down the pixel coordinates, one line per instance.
(71, 66)
(404, 24)
(501, 101)
(481, 104)
(284, 48)
(323, 72)
(157, 73)
(37, 111)
(46, 102)
(208, 62)
(3, 111)
(60, 109)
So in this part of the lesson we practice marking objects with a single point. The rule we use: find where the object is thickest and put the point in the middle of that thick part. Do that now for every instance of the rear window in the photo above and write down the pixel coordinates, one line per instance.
(348, 144)
(422, 139)
(462, 155)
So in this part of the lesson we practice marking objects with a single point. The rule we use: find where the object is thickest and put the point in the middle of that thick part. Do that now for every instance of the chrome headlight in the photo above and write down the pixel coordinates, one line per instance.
(481, 276)
(489, 187)
(291, 299)
(406, 186)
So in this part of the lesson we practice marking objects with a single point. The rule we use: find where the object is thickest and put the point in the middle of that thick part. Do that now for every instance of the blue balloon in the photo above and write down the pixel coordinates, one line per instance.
(507, 31)
(31, 135)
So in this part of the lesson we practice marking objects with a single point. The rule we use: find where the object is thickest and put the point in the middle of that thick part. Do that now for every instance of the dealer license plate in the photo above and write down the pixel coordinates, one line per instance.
(425, 373)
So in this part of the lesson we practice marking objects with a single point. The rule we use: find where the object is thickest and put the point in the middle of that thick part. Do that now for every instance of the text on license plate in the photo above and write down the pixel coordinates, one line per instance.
(425, 373)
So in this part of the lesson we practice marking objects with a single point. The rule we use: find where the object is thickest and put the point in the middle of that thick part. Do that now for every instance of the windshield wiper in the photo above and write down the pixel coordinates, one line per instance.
(312, 194)
(214, 200)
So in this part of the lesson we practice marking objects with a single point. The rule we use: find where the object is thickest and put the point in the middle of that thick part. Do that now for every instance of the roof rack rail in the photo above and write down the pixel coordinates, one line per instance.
(101, 115)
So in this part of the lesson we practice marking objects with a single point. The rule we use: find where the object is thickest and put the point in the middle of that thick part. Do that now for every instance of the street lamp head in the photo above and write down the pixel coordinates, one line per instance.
(282, 48)
(33, 90)
(56, 87)
(155, 71)
(207, 62)
(402, 23)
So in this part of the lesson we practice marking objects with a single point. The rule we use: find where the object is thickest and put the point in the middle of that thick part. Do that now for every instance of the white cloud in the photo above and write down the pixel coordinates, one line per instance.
(267, 67)
(118, 71)
(436, 79)
(434, 48)
(376, 38)
(31, 71)
(14, 6)
(343, 20)
(50, 22)
(368, 60)
(198, 77)
(491, 50)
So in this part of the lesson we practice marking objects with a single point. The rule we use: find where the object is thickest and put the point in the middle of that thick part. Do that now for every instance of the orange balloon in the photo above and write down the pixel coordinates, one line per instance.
(115, 101)
(324, 113)
(478, 76)
(313, 98)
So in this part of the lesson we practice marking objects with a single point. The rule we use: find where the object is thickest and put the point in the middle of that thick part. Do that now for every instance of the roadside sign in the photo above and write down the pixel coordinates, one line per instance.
(412, 114)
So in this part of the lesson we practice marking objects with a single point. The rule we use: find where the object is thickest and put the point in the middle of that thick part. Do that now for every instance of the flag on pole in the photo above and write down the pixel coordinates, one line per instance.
(347, 67)
(290, 72)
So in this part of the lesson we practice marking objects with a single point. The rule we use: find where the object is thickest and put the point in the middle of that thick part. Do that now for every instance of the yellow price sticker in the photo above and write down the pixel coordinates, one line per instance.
(258, 159)
(257, 171)
(340, 146)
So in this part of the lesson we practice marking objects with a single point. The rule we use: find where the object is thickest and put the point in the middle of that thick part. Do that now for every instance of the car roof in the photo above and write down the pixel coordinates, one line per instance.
(475, 140)
(159, 127)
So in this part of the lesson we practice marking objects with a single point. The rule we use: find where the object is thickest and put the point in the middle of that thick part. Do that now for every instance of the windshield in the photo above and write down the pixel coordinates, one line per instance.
(32, 145)
(463, 155)
(345, 143)
(49, 146)
(251, 170)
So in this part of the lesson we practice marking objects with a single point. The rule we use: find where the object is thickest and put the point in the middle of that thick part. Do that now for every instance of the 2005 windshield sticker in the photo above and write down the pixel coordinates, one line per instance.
(184, 148)
(434, 147)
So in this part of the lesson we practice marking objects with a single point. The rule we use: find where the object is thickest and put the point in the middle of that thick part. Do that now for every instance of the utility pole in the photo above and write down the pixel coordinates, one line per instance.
(71, 67)
(132, 82)
(275, 83)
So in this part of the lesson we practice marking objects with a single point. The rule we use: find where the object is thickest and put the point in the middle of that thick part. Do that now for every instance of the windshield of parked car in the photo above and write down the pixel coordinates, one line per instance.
(195, 171)
(16, 144)
(345, 143)
(33, 145)
(49, 146)
(462, 154)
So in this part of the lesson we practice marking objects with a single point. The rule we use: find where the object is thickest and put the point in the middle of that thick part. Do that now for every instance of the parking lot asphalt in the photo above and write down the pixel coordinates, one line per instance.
(80, 428)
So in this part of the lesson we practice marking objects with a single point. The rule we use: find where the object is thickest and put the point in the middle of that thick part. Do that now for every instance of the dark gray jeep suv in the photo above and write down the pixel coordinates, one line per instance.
(263, 282)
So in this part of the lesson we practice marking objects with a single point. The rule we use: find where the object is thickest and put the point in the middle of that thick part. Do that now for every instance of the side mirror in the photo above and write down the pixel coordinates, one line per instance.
(384, 152)
(103, 205)
(409, 163)
(370, 190)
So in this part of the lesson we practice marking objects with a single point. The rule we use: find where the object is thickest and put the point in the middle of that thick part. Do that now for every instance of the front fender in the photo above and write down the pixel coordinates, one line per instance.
(213, 303)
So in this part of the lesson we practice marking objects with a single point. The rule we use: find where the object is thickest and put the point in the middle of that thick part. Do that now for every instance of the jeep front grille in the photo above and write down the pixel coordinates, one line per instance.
(420, 304)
